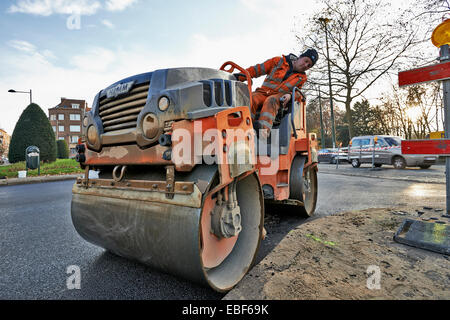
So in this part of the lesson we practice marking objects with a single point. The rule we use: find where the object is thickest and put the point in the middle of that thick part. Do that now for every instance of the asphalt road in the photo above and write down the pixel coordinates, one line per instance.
(39, 243)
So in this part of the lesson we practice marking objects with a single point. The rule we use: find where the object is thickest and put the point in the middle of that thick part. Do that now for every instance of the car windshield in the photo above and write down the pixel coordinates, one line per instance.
(393, 141)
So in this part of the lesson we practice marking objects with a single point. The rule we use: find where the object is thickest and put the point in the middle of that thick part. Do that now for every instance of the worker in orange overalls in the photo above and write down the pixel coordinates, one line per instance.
(283, 74)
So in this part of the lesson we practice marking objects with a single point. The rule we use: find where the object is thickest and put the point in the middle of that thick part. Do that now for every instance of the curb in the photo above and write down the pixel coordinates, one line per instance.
(19, 181)
(321, 170)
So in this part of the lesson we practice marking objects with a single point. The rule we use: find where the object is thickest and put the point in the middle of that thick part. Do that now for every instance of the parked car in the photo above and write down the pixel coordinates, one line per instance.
(330, 155)
(387, 151)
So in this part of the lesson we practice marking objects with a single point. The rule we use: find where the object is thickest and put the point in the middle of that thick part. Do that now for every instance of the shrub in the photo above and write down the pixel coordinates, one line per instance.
(32, 129)
(63, 149)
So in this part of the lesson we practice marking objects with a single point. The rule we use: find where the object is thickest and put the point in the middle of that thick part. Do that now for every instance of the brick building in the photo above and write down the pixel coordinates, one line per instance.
(66, 119)
(5, 140)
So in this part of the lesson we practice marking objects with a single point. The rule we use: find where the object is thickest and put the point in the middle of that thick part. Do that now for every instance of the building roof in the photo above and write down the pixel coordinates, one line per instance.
(65, 103)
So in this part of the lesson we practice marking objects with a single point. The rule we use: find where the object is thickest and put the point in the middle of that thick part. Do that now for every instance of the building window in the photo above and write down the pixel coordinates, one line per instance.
(75, 106)
(53, 117)
(61, 128)
(61, 138)
(60, 116)
(54, 128)
(74, 139)
(75, 129)
(75, 117)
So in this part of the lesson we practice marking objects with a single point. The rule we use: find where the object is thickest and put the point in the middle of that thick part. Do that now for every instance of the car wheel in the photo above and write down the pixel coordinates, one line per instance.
(378, 165)
(425, 166)
(356, 163)
(399, 163)
(333, 160)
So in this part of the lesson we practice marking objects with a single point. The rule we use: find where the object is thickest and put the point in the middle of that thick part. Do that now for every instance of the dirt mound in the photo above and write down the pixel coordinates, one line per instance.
(349, 255)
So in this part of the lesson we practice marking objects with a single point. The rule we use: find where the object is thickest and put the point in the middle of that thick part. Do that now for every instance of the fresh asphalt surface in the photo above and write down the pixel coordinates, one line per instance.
(38, 241)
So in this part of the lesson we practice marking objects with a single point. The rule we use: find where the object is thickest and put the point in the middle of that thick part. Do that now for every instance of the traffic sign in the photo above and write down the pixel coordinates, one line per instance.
(436, 146)
(441, 35)
(439, 71)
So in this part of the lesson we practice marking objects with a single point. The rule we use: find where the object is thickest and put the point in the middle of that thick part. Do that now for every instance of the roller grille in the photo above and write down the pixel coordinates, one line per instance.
(122, 113)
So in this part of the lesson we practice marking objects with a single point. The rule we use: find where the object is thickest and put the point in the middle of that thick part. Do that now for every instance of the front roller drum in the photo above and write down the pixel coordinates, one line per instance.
(177, 239)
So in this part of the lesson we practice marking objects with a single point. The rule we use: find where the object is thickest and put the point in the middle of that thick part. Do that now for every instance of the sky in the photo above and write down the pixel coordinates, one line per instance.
(75, 48)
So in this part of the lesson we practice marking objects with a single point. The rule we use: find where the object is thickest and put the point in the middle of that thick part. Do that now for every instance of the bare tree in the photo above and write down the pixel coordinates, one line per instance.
(363, 46)
(432, 10)
(412, 112)
(313, 119)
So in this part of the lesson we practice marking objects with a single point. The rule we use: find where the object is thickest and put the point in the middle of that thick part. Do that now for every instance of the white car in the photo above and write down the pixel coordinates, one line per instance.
(388, 150)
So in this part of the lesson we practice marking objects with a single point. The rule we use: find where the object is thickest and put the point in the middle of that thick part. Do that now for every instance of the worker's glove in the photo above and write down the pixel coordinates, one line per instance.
(240, 77)
(285, 100)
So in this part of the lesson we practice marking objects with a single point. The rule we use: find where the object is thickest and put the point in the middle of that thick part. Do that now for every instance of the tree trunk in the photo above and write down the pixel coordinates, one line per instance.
(348, 114)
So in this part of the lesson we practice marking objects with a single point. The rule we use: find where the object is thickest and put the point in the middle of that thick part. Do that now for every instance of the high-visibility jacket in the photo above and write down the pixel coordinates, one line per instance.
(280, 75)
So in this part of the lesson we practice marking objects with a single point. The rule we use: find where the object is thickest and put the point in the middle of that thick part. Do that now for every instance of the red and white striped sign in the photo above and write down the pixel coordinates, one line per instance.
(435, 146)
(439, 71)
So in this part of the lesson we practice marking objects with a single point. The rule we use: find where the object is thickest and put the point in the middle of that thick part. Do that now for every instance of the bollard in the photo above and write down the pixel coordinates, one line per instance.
(375, 141)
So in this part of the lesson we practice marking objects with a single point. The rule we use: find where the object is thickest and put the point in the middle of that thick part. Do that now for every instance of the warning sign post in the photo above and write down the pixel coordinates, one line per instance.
(437, 72)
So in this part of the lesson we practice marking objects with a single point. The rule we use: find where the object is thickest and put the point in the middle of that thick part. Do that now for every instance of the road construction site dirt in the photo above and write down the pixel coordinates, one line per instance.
(329, 257)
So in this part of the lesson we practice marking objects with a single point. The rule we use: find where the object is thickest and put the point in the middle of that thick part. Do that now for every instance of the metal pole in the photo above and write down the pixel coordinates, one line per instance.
(337, 158)
(373, 155)
(31, 99)
(445, 56)
(325, 21)
(322, 135)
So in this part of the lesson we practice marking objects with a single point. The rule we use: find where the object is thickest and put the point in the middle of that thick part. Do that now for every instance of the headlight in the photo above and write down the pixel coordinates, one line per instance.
(163, 103)
(92, 135)
(85, 121)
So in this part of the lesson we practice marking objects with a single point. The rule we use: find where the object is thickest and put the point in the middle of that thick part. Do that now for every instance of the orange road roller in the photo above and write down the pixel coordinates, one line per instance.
(182, 175)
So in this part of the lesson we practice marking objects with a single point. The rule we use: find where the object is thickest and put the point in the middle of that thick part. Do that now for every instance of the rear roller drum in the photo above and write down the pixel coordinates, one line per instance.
(303, 186)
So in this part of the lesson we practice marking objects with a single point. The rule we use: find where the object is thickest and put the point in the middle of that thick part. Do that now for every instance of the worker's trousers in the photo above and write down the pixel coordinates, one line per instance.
(267, 105)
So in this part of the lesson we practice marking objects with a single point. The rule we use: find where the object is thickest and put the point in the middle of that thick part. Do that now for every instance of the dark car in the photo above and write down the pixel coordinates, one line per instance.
(330, 155)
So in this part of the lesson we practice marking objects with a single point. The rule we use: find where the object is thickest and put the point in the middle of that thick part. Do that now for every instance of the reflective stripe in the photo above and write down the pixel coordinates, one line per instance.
(267, 115)
(263, 68)
(256, 71)
(289, 86)
(269, 85)
(265, 123)
(299, 81)
(275, 69)
(278, 81)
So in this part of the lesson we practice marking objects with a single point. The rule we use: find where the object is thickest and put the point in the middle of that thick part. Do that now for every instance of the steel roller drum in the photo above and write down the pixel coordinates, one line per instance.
(172, 235)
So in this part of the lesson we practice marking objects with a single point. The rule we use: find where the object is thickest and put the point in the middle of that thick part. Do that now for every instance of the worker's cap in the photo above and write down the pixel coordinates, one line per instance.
(312, 54)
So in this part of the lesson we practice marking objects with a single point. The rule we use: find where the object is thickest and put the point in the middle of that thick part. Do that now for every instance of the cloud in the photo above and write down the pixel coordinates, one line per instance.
(91, 69)
(81, 7)
(49, 7)
(118, 5)
(22, 46)
(108, 24)
(95, 59)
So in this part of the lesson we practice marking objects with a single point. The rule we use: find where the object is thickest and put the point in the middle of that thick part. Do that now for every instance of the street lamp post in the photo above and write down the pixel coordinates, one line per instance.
(322, 136)
(29, 92)
(325, 22)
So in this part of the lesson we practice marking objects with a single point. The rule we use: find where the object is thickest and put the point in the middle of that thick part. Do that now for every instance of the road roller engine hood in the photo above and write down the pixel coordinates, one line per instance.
(139, 109)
